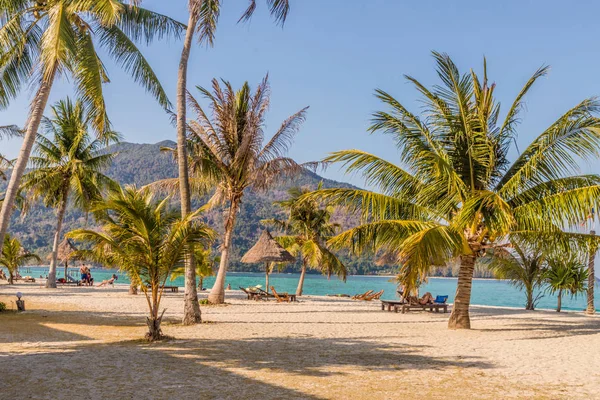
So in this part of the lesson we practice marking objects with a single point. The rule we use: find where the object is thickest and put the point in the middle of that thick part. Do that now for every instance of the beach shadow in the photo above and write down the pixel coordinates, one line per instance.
(129, 370)
(314, 356)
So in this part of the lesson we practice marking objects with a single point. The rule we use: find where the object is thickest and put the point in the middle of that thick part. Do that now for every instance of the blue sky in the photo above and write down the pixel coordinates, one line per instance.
(332, 54)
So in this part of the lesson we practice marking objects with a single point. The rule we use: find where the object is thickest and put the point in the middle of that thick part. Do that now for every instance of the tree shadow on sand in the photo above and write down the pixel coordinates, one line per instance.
(206, 368)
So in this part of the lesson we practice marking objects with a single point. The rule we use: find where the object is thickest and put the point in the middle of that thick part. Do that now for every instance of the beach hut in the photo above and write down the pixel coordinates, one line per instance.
(65, 248)
(267, 250)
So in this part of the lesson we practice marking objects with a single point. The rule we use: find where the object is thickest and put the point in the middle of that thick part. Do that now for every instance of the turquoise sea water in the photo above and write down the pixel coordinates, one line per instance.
(488, 292)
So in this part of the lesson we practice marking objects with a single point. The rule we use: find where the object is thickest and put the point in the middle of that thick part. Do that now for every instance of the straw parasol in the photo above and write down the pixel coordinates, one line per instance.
(267, 250)
(65, 248)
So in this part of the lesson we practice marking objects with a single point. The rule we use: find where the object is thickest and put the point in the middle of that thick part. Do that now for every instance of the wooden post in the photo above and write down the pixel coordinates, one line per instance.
(591, 280)
(267, 278)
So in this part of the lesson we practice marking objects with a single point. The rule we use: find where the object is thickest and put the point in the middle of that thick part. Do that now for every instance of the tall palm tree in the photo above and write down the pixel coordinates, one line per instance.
(307, 229)
(202, 22)
(143, 237)
(14, 256)
(566, 274)
(457, 193)
(68, 163)
(227, 151)
(44, 40)
(523, 264)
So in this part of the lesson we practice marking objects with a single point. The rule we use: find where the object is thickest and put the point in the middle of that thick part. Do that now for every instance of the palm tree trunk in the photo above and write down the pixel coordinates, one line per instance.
(153, 323)
(217, 293)
(51, 281)
(35, 116)
(459, 319)
(301, 281)
(191, 308)
(529, 305)
(559, 304)
(591, 309)
(201, 283)
(133, 288)
(11, 278)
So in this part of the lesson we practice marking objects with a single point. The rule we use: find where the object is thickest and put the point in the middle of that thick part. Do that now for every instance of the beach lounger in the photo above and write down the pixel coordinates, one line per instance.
(252, 295)
(174, 289)
(374, 296)
(390, 304)
(362, 296)
(404, 308)
(265, 294)
(438, 304)
(283, 297)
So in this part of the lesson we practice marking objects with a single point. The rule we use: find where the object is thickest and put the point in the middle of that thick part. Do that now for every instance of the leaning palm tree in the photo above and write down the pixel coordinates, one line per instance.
(523, 265)
(227, 151)
(566, 274)
(307, 229)
(202, 22)
(68, 164)
(44, 40)
(457, 194)
(14, 256)
(144, 238)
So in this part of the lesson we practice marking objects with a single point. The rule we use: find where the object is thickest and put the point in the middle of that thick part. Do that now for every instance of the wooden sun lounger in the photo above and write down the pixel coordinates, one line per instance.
(251, 295)
(390, 304)
(174, 289)
(374, 296)
(265, 294)
(362, 296)
(434, 306)
(281, 297)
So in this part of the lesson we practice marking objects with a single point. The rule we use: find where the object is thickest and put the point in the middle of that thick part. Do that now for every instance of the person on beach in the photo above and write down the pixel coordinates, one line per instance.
(229, 287)
(83, 274)
(3, 275)
(109, 281)
(426, 299)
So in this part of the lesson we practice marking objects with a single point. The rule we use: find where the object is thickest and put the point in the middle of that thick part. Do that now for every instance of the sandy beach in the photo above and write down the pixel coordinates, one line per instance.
(85, 343)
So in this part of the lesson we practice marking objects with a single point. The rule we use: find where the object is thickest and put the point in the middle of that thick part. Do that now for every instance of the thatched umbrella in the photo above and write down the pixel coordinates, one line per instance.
(65, 248)
(267, 250)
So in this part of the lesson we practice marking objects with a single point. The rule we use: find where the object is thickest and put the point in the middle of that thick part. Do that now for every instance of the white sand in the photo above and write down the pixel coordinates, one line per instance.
(83, 343)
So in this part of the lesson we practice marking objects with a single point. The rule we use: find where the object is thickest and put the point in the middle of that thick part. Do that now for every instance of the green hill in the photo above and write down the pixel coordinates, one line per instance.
(141, 164)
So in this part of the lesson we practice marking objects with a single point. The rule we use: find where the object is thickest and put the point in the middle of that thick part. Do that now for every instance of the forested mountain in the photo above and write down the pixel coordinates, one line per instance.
(141, 164)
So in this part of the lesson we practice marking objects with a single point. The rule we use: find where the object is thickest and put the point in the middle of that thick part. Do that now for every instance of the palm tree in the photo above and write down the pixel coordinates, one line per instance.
(457, 194)
(13, 256)
(568, 274)
(308, 227)
(202, 21)
(227, 151)
(144, 238)
(68, 164)
(523, 264)
(44, 40)
(205, 263)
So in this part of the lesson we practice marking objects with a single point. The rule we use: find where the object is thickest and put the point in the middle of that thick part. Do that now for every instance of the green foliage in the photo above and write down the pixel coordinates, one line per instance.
(14, 256)
(53, 38)
(68, 161)
(456, 192)
(142, 237)
(2, 306)
(306, 230)
(523, 264)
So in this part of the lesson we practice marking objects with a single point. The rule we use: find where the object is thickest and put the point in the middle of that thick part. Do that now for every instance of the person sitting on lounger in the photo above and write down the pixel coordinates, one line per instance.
(426, 299)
